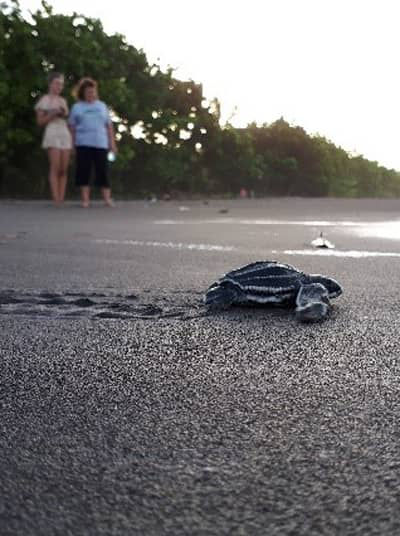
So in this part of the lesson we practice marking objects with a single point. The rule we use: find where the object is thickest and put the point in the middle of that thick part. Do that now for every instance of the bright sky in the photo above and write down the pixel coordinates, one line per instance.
(330, 66)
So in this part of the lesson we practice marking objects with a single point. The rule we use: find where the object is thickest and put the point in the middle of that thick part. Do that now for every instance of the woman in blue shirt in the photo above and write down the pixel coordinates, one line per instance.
(93, 136)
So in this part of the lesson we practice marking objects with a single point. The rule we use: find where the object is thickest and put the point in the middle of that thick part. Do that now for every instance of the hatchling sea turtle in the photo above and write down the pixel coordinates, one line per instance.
(272, 282)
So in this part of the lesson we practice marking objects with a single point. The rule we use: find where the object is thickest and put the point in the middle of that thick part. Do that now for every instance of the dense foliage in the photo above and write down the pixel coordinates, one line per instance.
(170, 137)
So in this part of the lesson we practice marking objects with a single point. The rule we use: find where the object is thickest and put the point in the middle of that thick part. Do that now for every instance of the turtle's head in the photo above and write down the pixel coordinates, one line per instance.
(332, 286)
(220, 296)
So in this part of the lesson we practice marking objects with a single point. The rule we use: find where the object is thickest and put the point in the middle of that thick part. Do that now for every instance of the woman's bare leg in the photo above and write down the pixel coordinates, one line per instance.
(63, 174)
(85, 196)
(54, 166)
(106, 192)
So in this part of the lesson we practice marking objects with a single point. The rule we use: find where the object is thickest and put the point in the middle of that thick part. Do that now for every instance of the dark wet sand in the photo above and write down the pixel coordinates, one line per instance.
(126, 410)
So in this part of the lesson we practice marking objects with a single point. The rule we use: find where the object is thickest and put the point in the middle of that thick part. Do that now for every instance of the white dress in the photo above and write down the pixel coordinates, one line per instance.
(56, 133)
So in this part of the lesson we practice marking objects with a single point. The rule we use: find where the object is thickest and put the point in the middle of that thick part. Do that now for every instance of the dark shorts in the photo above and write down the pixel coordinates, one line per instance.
(88, 158)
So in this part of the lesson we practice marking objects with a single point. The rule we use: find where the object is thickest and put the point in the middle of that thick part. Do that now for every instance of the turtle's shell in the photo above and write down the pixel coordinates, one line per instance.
(264, 282)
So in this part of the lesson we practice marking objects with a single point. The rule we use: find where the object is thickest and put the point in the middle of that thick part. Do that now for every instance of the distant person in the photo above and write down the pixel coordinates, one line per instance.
(93, 136)
(51, 113)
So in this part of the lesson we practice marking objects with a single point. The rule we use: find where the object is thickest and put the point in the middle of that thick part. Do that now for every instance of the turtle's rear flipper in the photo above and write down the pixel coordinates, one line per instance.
(312, 303)
(220, 296)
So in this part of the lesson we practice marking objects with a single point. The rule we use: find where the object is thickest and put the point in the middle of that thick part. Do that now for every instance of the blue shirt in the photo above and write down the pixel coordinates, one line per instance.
(90, 121)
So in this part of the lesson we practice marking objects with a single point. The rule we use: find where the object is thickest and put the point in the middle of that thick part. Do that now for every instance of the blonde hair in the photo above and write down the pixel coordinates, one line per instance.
(53, 76)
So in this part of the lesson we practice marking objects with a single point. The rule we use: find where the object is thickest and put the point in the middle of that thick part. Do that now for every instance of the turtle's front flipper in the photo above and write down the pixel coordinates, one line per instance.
(221, 296)
(312, 303)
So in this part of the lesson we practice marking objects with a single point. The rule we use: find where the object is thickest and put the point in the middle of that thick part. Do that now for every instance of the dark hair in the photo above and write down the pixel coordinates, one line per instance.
(53, 76)
(82, 85)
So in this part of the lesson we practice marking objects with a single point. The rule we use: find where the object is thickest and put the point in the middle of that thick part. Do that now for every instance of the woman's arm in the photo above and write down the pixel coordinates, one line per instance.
(43, 117)
(64, 108)
(111, 138)
(72, 124)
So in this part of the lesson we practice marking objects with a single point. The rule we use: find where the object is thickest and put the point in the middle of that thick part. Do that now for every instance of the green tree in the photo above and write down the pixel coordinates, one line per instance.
(169, 113)
(170, 137)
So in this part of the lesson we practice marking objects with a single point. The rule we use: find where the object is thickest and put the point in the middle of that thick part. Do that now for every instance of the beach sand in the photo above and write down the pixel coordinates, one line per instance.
(126, 409)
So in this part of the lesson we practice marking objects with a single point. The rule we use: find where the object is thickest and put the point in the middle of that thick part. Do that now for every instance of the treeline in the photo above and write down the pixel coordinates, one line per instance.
(171, 140)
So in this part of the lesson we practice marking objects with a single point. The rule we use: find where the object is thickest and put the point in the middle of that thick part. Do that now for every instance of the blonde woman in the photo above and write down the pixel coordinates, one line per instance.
(51, 113)
(93, 137)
